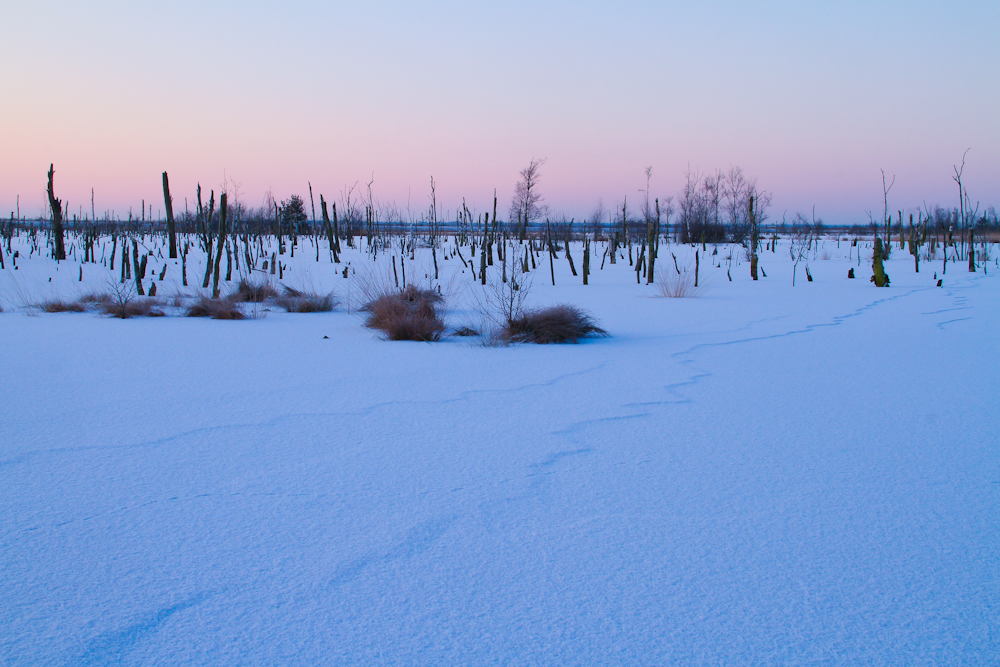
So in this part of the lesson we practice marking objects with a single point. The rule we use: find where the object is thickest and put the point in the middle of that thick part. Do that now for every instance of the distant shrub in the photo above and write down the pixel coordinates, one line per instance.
(557, 324)
(96, 298)
(60, 306)
(677, 285)
(137, 307)
(248, 292)
(295, 301)
(217, 309)
(407, 315)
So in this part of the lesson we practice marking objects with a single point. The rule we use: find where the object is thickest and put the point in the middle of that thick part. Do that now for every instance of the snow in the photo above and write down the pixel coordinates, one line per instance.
(758, 475)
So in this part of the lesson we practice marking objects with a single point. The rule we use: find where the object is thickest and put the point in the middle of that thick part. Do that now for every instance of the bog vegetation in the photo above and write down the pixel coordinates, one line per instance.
(224, 259)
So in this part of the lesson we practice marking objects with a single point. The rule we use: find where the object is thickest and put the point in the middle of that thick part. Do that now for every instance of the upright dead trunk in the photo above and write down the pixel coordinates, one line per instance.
(482, 261)
(569, 238)
(336, 231)
(140, 269)
(208, 236)
(57, 219)
(754, 240)
(552, 267)
(880, 277)
(169, 205)
(972, 252)
(653, 232)
(219, 244)
(330, 233)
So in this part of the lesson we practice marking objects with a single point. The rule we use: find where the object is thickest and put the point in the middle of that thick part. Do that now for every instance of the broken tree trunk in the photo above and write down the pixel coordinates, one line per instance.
(169, 204)
(59, 252)
(219, 244)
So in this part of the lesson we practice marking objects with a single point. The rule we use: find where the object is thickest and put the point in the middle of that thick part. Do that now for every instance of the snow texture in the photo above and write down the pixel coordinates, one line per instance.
(761, 475)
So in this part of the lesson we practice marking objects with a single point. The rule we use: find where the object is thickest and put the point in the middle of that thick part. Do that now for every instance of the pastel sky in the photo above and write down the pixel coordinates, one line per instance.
(811, 98)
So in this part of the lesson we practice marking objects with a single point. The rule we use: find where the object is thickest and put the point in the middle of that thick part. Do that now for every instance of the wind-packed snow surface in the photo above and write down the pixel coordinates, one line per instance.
(760, 475)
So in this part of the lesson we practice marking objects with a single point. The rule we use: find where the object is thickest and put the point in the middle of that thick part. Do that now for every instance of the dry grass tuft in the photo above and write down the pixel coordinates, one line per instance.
(138, 307)
(248, 292)
(295, 301)
(557, 324)
(217, 309)
(407, 315)
(96, 298)
(60, 306)
(673, 285)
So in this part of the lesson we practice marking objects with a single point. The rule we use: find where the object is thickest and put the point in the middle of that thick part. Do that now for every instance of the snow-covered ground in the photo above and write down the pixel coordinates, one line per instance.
(757, 475)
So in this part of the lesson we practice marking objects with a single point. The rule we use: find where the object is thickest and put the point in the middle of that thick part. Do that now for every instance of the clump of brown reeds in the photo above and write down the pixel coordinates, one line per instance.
(60, 306)
(410, 314)
(96, 299)
(296, 301)
(138, 307)
(217, 309)
(556, 324)
(248, 292)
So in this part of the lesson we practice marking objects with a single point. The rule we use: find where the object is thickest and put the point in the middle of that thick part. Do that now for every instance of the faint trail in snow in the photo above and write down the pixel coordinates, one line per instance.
(364, 411)
(111, 648)
(947, 310)
(555, 458)
(940, 325)
(675, 389)
(418, 540)
(836, 320)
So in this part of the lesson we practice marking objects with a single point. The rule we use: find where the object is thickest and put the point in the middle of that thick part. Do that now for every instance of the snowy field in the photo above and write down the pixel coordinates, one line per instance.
(758, 475)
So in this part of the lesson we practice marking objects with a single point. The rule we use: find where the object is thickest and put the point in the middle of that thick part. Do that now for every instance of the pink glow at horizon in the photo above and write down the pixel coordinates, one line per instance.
(811, 102)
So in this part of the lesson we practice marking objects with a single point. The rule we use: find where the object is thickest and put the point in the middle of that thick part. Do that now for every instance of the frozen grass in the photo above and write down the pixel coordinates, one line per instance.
(60, 306)
(217, 309)
(556, 324)
(296, 301)
(407, 315)
(677, 285)
(96, 298)
(137, 307)
(249, 292)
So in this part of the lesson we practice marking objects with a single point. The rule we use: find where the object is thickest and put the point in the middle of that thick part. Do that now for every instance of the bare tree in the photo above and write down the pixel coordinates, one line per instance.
(691, 210)
(963, 210)
(737, 191)
(886, 246)
(597, 218)
(714, 187)
(500, 303)
(801, 242)
(647, 212)
(757, 205)
(526, 204)
(121, 294)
